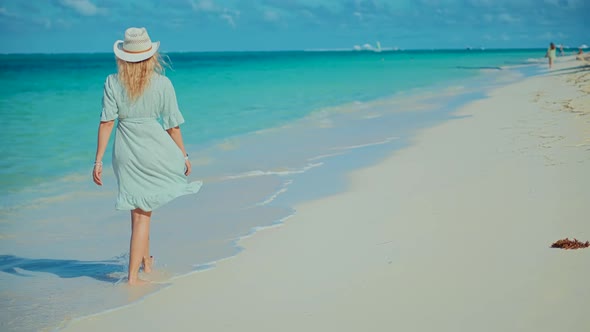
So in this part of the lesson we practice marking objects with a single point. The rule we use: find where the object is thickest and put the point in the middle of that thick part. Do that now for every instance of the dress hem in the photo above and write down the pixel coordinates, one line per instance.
(126, 201)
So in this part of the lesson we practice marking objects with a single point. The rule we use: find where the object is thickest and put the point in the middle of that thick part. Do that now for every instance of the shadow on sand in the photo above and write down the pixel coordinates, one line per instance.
(106, 271)
(571, 70)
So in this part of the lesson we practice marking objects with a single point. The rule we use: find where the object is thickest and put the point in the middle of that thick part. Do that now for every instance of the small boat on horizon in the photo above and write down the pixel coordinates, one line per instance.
(368, 47)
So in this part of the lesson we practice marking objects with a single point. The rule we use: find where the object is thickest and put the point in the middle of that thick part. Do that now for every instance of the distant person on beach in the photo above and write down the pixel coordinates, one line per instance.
(149, 162)
(551, 54)
(561, 53)
(580, 55)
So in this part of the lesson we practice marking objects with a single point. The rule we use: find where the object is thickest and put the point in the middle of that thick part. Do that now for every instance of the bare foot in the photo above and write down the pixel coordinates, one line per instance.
(147, 263)
(137, 282)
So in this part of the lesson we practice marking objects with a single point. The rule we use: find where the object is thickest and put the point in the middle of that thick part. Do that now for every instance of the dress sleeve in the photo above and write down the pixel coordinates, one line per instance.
(109, 105)
(171, 116)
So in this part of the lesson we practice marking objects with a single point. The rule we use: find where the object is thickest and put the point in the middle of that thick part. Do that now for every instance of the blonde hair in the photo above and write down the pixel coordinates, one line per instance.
(136, 76)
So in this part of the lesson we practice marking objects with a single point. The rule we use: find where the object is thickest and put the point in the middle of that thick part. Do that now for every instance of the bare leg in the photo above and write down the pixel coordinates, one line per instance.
(140, 232)
(147, 261)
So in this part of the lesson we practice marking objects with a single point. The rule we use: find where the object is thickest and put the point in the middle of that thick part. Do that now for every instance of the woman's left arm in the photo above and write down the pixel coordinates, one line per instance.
(176, 136)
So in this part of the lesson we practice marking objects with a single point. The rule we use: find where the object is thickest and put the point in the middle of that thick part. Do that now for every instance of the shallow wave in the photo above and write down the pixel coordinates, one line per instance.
(479, 67)
(12, 208)
(272, 197)
(212, 264)
(257, 229)
(352, 147)
(288, 171)
(324, 156)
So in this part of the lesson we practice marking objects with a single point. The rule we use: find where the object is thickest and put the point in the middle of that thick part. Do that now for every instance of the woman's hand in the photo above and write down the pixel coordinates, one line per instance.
(187, 167)
(97, 174)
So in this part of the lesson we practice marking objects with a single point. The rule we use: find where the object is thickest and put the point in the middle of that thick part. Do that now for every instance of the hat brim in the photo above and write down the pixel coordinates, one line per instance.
(134, 57)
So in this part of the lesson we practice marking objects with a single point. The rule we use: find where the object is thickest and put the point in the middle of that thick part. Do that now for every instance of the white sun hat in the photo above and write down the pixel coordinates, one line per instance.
(136, 47)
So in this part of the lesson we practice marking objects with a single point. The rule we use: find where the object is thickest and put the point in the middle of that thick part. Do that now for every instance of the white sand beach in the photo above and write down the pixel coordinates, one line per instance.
(450, 234)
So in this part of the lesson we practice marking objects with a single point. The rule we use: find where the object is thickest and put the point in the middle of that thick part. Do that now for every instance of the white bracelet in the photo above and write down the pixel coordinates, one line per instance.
(98, 163)
(186, 157)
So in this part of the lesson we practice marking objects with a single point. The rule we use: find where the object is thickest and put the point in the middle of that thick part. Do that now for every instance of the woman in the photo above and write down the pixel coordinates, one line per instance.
(551, 54)
(150, 163)
(580, 55)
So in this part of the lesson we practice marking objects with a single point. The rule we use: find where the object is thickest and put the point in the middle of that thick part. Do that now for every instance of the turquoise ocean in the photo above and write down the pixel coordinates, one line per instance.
(264, 130)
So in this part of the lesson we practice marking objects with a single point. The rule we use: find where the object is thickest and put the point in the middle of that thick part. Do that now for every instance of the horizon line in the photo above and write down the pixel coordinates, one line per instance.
(352, 50)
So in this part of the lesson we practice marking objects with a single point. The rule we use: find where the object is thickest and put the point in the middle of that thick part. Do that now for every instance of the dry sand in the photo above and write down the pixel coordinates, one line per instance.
(450, 234)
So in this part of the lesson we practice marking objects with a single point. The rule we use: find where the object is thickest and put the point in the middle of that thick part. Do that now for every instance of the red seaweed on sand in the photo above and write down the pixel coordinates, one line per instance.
(570, 244)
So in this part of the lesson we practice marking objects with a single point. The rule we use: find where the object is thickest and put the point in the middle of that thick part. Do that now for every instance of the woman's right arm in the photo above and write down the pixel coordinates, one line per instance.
(177, 138)
(104, 133)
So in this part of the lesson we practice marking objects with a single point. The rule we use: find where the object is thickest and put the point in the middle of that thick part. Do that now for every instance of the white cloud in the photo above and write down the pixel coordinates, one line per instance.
(553, 36)
(229, 19)
(566, 3)
(507, 18)
(307, 13)
(230, 16)
(271, 16)
(63, 23)
(42, 21)
(84, 7)
(204, 6)
(5, 12)
(209, 7)
(503, 18)
(481, 3)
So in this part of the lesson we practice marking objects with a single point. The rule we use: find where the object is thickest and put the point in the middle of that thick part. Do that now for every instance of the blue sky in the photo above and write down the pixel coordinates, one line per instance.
(56, 26)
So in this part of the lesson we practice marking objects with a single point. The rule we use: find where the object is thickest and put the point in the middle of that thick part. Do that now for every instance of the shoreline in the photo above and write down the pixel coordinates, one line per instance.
(242, 286)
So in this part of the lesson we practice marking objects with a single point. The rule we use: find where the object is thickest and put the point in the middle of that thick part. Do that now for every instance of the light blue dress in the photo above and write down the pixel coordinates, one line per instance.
(148, 165)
